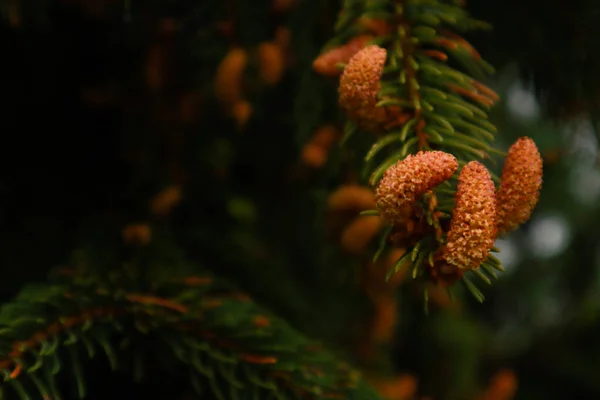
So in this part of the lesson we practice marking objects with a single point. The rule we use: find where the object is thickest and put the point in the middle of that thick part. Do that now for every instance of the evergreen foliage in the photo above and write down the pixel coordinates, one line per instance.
(442, 107)
(233, 348)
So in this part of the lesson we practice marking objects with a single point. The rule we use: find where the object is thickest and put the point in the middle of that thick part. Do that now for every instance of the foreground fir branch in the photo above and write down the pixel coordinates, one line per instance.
(408, 79)
(232, 346)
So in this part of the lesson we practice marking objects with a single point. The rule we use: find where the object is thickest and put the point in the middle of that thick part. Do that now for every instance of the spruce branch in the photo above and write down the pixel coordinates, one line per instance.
(447, 105)
(415, 87)
(230, 344)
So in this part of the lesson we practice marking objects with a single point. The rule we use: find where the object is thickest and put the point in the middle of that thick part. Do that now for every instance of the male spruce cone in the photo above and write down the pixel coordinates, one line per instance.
(473, 225)
(404, 183)
(359, 88)
(520, 185)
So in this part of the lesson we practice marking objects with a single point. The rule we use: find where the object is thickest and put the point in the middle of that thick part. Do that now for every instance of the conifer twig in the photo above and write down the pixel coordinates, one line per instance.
(212, 327)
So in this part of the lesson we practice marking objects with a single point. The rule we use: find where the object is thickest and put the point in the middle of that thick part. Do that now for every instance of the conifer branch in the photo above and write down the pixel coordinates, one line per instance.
(415, 87)
(448, 107)
(231, 345)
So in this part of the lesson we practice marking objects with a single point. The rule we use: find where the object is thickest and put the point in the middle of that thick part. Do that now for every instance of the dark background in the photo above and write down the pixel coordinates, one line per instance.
(87, 142)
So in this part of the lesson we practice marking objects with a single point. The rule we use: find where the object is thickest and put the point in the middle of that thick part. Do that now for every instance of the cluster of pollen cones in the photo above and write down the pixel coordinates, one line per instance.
(481, 211)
